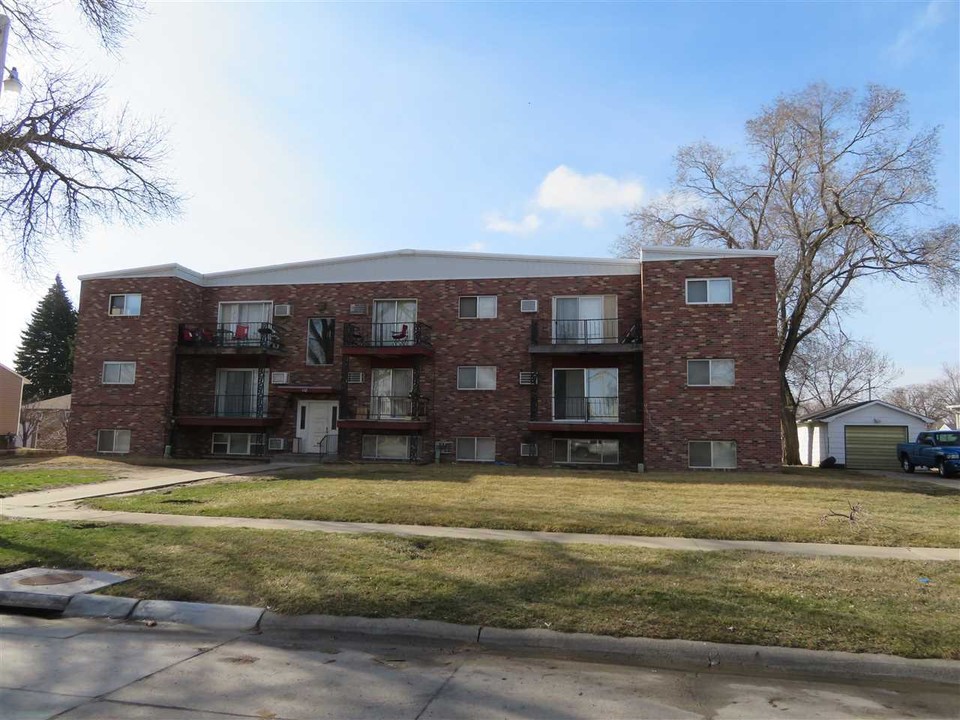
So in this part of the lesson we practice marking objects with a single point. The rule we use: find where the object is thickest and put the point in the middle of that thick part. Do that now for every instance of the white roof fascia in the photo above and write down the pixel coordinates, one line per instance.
(875, 402)
(658, 253)
(414, 265)
(169, 270)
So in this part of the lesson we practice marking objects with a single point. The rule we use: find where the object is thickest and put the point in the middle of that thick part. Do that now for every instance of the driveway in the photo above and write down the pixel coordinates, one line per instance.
(926, 476)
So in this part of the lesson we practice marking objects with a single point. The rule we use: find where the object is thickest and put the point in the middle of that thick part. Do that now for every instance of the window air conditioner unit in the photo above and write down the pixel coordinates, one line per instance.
(358, 309)
(282, 310)
(528, 378)
(445, 446)
(354, 377)
(279, 378)
(528, 450)
(528, 306)
(276, 444)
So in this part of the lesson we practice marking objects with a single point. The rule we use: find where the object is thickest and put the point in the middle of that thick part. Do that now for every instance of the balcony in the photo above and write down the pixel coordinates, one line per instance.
(585, 414)
(604, 336)
(229, 339)
(387, 413)
(396, 338)
(230, 410)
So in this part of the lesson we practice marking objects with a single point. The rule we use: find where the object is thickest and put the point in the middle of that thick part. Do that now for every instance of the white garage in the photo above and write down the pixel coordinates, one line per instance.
(861, 436)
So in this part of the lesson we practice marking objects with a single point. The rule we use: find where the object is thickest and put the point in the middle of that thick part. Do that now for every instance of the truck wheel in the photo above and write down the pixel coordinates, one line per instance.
(942, 469)
(908, 467)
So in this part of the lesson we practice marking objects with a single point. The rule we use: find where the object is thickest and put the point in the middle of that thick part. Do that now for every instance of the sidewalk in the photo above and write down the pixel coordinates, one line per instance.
(61, 504)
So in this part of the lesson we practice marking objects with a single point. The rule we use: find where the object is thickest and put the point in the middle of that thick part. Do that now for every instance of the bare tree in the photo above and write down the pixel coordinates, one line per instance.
(931, 399)
(830, 369)
(840, 186)
(30, 419)
(64, 160)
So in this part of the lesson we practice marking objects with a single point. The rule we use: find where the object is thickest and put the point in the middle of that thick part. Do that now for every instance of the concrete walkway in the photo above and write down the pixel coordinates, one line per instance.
(61, 504)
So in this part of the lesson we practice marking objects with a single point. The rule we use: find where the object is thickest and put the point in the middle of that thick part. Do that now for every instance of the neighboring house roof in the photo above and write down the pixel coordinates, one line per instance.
(14, 372)
(831, 414)
(57, 403)
(428, 265)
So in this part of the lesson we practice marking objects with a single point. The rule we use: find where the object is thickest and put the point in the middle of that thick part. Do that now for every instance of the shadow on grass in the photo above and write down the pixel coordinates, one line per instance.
(828, 603)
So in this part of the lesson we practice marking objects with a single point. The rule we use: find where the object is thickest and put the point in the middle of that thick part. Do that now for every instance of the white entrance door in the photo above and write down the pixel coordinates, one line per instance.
(316, 420)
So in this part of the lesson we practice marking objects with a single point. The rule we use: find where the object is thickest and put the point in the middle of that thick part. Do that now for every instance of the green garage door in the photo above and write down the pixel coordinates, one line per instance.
(873, 447)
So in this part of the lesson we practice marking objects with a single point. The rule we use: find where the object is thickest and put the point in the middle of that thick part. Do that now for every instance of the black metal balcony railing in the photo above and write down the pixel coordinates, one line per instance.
(389, 407)
(386, 335)
(229, 335)
(229, 406)
(588, 409)
(585, 332)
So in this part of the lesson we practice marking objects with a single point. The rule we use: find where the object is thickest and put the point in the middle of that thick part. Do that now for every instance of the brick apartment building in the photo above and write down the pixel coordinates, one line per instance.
(668, 360)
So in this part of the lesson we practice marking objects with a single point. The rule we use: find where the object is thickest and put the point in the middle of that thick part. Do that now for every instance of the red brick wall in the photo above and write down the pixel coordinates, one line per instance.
(149, 340)
(503, 341)
(674, 332)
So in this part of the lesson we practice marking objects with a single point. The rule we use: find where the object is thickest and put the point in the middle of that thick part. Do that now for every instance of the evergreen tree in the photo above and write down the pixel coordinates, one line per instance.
(45, 356)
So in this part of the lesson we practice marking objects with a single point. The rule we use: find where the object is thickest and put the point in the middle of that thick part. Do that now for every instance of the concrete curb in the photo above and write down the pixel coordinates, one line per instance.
(100, 606)
(432, 629)
(202, 615)
(686, 655)
(726, 657)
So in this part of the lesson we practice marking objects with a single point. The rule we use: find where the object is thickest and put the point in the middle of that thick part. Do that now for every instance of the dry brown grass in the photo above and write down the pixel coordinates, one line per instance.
(746, 506)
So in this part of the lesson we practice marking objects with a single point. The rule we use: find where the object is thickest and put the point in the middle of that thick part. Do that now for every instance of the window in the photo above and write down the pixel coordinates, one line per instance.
(391, 393)
(125, 305)
(477, 377)
(320, 341)
(716, 454)
(237, 393)
(113, 441)
(586, 452)
(244, 323)
(237, 444)
(718, 373)
(386, 447)
(586, 394)
(585, 319)
(710, 292)
(478, 306)
(119, 373)
(477, 449)
(393, 322)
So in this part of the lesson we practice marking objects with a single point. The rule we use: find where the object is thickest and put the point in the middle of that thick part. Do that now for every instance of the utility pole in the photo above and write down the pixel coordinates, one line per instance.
(12, 84)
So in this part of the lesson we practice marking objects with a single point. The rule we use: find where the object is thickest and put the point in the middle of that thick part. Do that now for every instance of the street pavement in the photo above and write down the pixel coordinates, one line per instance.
(83, 668)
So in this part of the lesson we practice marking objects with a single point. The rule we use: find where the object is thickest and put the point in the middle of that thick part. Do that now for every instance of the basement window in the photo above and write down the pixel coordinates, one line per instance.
(712, 454)
(113, 441)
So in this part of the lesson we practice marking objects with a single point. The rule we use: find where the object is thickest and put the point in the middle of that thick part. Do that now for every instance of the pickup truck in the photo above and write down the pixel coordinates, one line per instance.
(938, 449)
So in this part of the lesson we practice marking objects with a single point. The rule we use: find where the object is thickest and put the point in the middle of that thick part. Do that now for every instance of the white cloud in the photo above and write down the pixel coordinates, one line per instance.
(912, 37)
(495, 222)
(585, 199)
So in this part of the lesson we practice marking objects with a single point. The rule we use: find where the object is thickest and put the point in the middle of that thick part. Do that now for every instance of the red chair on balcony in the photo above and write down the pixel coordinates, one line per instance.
(399, 337)
(241, 333)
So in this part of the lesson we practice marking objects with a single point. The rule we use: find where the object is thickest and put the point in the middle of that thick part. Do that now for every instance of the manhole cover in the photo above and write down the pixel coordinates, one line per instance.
(53, 578)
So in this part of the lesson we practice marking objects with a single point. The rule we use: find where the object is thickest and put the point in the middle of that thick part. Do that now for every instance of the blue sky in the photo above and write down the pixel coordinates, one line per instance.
(315, 130)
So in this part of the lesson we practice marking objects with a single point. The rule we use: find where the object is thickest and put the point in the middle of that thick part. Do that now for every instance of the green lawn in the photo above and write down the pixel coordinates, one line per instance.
(747, 506)
(26, 478)
(821, 603)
